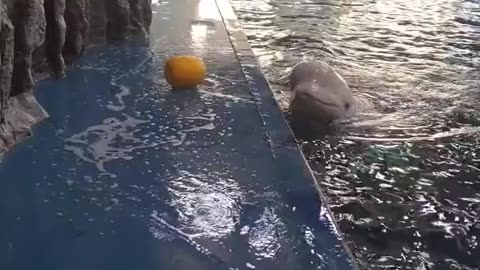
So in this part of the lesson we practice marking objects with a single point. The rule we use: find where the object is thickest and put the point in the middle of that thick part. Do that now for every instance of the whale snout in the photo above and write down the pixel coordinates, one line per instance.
(309, 100)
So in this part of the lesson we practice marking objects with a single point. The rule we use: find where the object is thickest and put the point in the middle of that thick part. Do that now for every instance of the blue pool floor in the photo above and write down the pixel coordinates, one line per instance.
(127, 174)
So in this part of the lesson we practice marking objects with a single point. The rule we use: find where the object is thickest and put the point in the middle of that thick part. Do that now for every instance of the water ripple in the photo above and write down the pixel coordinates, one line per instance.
(403, 175)
(207, 203)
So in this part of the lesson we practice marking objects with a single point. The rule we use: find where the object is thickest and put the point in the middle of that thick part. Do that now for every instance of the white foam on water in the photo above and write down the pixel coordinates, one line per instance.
(265, 233)
(113, 139)
(125, 91)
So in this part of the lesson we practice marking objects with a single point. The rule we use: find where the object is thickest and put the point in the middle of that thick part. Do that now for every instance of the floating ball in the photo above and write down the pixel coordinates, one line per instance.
(185, 71)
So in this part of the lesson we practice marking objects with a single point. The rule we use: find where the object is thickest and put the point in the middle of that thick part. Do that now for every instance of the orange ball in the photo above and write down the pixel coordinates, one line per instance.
(185, 71)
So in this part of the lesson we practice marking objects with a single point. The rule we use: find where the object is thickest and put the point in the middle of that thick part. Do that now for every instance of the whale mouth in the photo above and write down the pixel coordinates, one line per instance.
(320, 101)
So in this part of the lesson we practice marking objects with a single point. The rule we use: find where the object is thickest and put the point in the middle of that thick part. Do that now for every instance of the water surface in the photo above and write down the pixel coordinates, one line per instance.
(128, 174)
(403, 177)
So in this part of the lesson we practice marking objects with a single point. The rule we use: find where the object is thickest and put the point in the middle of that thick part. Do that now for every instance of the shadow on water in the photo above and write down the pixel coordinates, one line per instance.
(403, 177)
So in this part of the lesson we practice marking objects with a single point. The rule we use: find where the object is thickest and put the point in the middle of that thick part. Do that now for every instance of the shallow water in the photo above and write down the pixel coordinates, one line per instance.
(128, 174)
(403, 176)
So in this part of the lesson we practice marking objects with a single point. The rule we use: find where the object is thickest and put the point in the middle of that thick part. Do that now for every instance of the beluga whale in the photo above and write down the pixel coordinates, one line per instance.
(319, 93)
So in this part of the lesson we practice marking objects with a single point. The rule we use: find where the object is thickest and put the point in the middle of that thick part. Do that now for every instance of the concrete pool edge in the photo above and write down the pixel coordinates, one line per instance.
(268, 105)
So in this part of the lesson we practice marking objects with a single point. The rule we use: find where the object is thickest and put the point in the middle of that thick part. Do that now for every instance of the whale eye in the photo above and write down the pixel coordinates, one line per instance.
(347, 106)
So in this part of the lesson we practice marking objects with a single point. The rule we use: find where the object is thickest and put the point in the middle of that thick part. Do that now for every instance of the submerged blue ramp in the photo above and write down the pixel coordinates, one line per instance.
(127, 174)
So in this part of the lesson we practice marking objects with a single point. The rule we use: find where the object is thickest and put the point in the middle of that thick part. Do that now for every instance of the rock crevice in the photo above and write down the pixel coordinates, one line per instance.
(55, 35)
(30, 26)
(40, 36)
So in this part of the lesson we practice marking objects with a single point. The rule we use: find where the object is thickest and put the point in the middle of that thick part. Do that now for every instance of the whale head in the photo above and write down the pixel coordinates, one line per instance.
(322, 104)
(319, 93)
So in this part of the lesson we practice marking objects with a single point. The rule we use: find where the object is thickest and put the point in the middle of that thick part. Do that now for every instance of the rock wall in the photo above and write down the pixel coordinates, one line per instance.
(30, 25)
(6, 60)
(55, 35)
(40, 36)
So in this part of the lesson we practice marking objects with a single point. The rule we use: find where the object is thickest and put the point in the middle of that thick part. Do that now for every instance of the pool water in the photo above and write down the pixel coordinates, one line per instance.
(403, 176)
(128, 174)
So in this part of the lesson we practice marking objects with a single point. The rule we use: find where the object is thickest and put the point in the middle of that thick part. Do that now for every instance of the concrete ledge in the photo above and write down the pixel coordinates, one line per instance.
(279, 133)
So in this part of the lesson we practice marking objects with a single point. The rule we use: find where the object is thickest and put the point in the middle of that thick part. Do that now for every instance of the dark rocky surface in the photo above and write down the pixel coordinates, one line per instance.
(118, 19)
(6, 59)
(76, 18)
(37, 37)
(140, 16)
(55, 35)
(30, 26)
